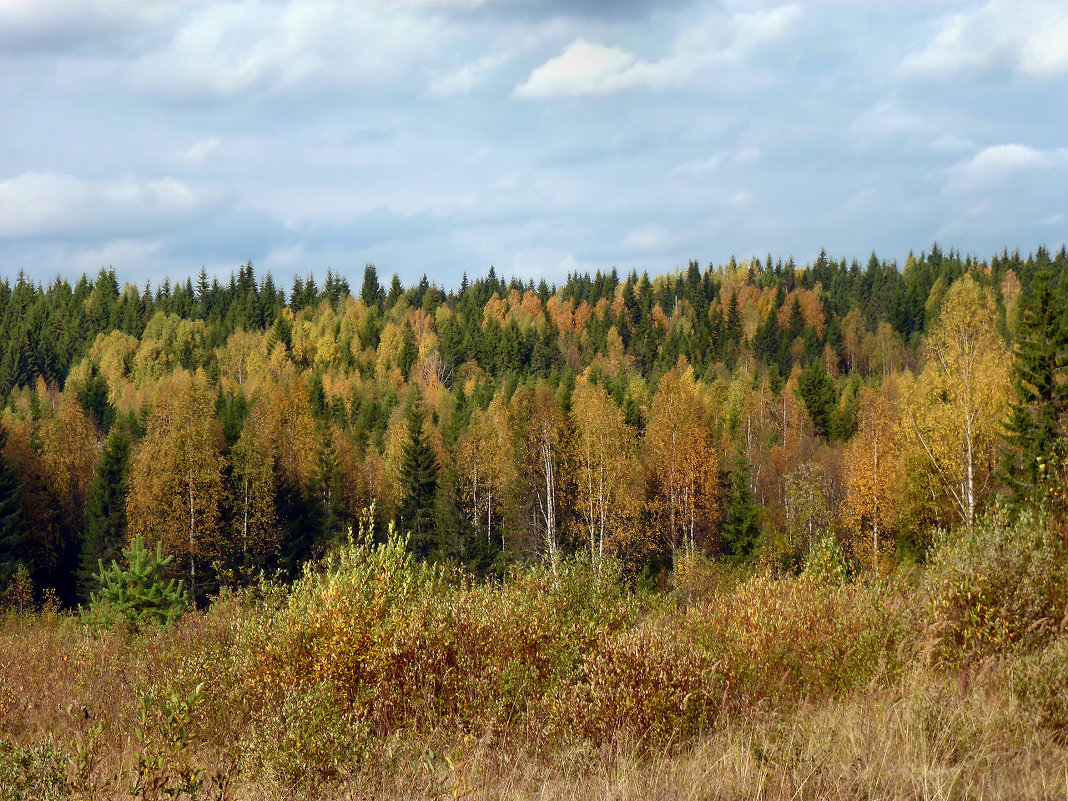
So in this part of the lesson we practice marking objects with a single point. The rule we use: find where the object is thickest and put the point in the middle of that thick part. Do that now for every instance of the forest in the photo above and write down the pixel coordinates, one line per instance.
(705, 515)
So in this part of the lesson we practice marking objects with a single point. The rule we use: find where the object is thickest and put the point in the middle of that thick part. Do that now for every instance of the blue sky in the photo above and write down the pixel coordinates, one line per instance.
(540, 137)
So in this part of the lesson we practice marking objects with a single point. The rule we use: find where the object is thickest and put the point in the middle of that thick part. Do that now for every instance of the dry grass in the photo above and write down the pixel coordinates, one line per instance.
(377, 679)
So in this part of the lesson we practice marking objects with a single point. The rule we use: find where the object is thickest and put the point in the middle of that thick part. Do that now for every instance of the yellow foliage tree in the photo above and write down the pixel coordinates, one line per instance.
(605, 467)
(961, 397)
(682, 458)
(873, 472)
(176, 484)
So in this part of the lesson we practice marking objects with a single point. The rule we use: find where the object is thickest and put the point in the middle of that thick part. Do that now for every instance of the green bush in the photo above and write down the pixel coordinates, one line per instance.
(36, 772)
(998, 587)
(826, 562)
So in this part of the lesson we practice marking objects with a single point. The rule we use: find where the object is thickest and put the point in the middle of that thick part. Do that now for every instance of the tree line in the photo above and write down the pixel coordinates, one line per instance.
(747, 409)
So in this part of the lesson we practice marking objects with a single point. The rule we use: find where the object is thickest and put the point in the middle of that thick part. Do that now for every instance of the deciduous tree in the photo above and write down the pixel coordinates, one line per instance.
(176, 486)
(961, 397)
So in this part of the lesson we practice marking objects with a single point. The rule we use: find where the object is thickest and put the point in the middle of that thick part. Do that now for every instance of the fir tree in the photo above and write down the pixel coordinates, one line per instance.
(138, 593)
(105, 531)
(1033, 435)
(741, 528)
(419, 476)
(371, 292)
(820, 395)
(12, 529)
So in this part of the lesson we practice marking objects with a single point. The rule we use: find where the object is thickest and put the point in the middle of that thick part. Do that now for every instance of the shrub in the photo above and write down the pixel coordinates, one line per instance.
(826, 562)
(781, 639)
(997, 587)
(37, 771)
(1040, 681)
(645, 683)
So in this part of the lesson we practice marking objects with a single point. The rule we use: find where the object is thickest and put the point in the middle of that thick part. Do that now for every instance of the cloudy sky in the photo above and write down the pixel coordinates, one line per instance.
(541, 136)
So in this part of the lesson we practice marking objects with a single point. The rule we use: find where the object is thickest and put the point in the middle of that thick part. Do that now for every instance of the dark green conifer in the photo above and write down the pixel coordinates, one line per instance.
(419, 477)
(12, 529)
(741, 528)
(820, 395)
(1034, 439)
(105, 531)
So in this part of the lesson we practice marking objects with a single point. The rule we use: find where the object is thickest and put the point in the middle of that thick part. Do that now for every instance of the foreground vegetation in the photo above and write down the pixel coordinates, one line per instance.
(375, 675)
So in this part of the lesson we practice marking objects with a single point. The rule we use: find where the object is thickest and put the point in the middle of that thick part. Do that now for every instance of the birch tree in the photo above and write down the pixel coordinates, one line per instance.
(683, 462)
(604, 461)
(176, 485)
(961, 397)
(873, 473)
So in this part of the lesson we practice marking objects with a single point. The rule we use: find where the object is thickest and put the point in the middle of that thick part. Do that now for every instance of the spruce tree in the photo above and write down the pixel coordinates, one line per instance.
(12, 530)
(741, 528)
(820, 395)
(371, 293)
(105, 531)
(1035, 442)
(419, 476)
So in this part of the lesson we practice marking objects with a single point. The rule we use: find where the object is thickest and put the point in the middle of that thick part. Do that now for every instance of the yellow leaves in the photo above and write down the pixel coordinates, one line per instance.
(605, 467)
(176, 485)
(873, 474)
(69, 453)
(680, 451)
(961, 397)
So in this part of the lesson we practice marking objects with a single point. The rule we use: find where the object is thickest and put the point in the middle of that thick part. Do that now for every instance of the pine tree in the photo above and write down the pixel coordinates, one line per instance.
(1033, 436)
(419, 476)
(138, 593)
(105, 531)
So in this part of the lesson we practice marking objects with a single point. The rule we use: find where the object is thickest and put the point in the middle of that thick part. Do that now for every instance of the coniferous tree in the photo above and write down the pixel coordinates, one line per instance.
(1033, 435)
(820, 396)
(419, 478)
(741, 528)
(105, 531)
(12, 529)
(371, 292)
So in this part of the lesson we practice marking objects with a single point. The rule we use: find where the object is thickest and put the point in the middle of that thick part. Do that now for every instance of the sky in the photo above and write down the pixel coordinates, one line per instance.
(541, 137)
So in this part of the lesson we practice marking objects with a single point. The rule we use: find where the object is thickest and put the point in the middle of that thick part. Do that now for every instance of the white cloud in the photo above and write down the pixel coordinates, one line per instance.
(888, 120)
(465, 79)
(584, 68)
(647, 237)
(198, 151)
(1030, 38)
(130, 254)
(744, 155)
(587, 68)
(1053, 219)
(999, 161)
(36, 204)
(226, 50)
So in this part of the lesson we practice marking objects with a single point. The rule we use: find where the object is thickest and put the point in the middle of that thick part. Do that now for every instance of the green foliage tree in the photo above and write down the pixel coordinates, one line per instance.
(105, 530)
(371, 293)
(419, 476)
(137, 593)
(741, 528)
(819, 393)
(12, 529)
(1033, 435)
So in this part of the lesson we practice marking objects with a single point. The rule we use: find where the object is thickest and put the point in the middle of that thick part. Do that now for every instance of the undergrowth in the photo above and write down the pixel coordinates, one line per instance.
(379, 675)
